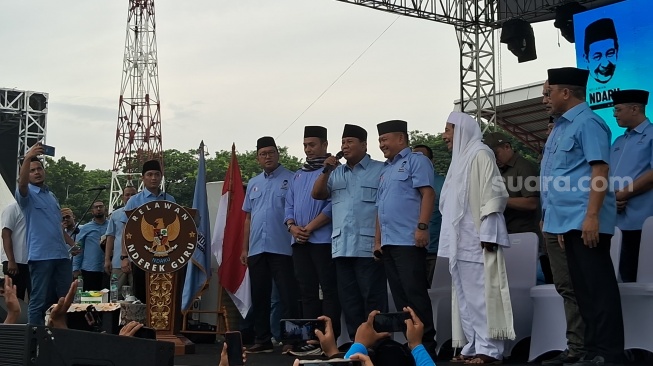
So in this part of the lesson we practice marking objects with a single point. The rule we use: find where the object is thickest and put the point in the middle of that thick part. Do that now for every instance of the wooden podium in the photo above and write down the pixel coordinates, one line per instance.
(160, 237)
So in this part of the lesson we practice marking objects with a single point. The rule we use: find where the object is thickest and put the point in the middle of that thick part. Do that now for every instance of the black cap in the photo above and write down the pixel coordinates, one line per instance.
(151, 165)
(630, 96)
(598, 31)
(265, 141)
(392, 126)
(354, 131)
(315, 131)
(495, 139)
(568, 76)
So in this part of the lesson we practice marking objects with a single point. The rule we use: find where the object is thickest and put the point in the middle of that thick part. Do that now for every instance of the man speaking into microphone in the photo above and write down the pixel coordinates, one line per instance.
(352, 188)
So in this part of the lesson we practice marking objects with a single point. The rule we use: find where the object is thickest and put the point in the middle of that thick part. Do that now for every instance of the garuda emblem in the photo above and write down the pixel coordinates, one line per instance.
(160, 235)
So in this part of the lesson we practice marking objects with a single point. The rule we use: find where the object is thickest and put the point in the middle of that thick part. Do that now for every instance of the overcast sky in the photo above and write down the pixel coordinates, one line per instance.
(232, 71)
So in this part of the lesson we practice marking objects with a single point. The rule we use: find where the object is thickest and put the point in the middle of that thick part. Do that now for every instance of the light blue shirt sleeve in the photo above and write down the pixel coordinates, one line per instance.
(356, 348)
(23, 201)
(422, 357)
(422, 172)
(596, 141)
(111, 227)
(79, 258)
(290, 201)
(247, 205)
(327, 210)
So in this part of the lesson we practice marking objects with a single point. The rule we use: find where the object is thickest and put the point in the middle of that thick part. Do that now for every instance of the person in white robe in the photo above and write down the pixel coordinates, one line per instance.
(473, 237)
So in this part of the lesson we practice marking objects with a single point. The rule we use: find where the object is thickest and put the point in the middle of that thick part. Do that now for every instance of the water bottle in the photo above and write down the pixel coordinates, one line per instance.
(80, 289)
(114, 288)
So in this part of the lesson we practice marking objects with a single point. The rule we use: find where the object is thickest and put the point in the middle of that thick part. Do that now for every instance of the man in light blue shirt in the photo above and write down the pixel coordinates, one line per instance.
(309, 222)
(47, 243)
(90, 261)
(266, 243)
(115, 252)
(405, 204)
(352, 189)
(581, 210)
(152, 176)
(631, 168)
(436, 217)
(556, 255)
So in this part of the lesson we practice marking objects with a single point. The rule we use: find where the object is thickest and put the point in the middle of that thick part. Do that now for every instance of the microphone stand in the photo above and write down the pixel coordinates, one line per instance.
(88, 209)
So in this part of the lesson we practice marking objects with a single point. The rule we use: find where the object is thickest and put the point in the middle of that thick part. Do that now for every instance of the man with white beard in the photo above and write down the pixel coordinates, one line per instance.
(473, 236)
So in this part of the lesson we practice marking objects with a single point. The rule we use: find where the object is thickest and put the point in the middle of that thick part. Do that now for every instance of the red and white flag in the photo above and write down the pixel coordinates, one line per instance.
(227, 240)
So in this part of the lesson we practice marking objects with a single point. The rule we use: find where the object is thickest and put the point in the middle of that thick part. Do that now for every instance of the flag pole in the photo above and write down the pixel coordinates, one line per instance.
(221, 307)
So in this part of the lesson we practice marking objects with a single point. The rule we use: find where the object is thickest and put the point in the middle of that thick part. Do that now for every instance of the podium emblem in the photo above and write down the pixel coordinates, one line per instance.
(160, 237)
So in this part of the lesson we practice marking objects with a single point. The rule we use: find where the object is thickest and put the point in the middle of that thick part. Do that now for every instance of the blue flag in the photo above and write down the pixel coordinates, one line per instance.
(198, 271)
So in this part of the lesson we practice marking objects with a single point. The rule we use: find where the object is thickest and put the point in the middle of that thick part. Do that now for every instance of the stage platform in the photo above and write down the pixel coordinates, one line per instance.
(207, 354)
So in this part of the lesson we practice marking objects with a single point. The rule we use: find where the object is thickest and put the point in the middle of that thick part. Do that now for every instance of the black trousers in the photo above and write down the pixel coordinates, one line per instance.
(595, 285)
(362, 288)
(21, 280)
(314, 268)
(629, 255)
(405, 267)
(262, 268)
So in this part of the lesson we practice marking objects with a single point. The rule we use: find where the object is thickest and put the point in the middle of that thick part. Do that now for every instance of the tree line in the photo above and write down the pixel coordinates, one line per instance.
(69, 180)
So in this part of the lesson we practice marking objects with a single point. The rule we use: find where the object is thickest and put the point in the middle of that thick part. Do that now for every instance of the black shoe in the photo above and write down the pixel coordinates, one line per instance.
(260, 348)
(561, 359)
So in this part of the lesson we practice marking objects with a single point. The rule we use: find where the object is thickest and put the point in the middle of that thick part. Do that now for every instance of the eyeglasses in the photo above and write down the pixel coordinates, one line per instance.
(98, 207)
(66, 218)
(265, 154)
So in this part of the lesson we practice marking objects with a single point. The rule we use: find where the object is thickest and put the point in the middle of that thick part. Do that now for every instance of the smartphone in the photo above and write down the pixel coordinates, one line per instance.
(333, 362)
(300, 329)
(234, 348)
(48, 150)
(391, 322)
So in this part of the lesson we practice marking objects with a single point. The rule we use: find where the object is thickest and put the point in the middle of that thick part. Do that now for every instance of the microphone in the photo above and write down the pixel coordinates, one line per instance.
(329, 168)
(100, 188)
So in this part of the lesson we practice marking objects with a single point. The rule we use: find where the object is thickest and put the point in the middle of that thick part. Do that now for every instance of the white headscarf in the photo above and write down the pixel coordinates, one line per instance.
(467, 142)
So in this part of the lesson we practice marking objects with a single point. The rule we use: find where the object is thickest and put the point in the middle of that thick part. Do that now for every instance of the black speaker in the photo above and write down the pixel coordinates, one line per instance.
(23, 311)
(565, 19)
(32, 345)
(9, 152)
(518, 35)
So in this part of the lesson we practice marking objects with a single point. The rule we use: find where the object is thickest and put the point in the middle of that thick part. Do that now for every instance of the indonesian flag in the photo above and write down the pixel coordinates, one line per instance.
(227, 240)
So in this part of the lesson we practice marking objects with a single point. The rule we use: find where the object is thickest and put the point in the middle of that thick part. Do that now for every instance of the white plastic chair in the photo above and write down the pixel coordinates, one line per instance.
(440, 294)
(521, 268)
(637, 298)
(549, 327)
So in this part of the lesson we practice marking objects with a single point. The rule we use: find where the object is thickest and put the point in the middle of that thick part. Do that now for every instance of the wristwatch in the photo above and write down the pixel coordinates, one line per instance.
(124, 257)
(289, 225)
(422, 226)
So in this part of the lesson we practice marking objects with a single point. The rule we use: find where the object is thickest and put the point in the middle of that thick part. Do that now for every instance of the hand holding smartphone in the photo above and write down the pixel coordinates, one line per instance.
(300, 329)
(48, 150)
(390, 322)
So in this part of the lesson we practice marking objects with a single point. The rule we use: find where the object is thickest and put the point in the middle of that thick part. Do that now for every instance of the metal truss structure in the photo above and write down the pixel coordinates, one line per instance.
(22, 113)
(138, 135)
(475, 22)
